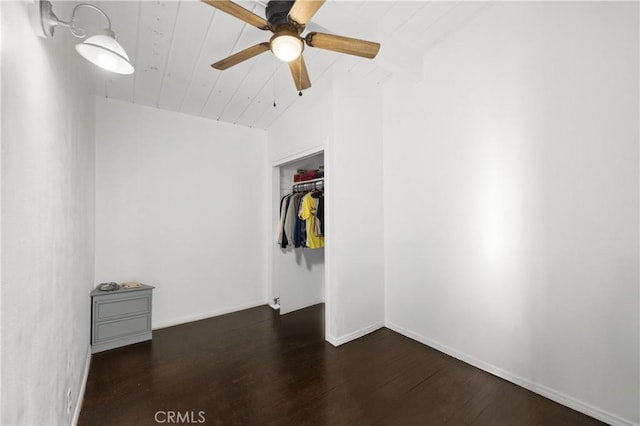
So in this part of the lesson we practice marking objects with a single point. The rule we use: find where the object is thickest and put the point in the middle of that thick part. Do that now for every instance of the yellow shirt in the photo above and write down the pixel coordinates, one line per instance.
(308, 209)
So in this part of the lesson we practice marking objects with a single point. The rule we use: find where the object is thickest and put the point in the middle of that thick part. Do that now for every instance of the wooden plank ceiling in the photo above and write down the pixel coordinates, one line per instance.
(173, 43)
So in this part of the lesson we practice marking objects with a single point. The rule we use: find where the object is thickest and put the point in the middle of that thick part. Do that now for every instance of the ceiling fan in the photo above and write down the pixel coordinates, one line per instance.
(287, 19)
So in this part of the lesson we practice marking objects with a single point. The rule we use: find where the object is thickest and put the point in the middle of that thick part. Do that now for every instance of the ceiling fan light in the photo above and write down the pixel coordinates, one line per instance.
(105, 52)
(286, 47)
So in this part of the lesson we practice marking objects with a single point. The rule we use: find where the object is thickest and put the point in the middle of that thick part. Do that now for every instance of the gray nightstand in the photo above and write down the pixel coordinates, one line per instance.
(120, 318)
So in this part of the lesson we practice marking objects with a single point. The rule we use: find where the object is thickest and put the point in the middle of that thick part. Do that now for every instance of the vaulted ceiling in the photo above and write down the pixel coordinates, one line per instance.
(173, 43)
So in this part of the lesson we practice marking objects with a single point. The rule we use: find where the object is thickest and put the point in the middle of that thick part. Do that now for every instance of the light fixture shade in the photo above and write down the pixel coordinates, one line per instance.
(286, 47)
(104, 51)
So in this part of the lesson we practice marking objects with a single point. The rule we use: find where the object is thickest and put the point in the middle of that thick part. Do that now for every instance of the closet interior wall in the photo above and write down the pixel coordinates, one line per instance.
(298, 273)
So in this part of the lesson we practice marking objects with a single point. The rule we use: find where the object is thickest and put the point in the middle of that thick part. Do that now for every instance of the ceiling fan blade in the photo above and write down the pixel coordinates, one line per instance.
(299, 72)
(241, 56)
(239, 12)
(302, 10)
(351, 46)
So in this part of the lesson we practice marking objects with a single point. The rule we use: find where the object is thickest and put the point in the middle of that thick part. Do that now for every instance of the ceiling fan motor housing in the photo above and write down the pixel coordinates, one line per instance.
(277, 12)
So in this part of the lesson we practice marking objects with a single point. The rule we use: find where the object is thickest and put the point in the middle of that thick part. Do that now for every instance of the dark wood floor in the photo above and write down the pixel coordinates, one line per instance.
(257, 368)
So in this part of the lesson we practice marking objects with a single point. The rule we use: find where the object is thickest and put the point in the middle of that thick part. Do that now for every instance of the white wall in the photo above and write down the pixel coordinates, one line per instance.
(511, 201)
(305, 126)
(178, 206)
(356, 221)
(0, 220)
(345, 115)
(48, 164)
(302, 130)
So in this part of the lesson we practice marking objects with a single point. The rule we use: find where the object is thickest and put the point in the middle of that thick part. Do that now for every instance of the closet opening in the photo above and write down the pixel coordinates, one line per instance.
(298, 253)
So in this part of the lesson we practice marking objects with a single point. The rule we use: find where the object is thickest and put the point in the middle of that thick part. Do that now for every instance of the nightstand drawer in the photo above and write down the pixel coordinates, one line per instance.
(122, 328)
(109, 309)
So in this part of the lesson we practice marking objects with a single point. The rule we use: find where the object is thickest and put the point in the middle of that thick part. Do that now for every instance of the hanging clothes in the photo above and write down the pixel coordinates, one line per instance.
(308, 212)
(281, 222)
(299, 234)
(290, 219)
(320, 212)
(301, 222)
(283, 239)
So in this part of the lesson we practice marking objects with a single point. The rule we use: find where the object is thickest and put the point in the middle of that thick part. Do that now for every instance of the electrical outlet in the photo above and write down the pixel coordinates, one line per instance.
(69, 400)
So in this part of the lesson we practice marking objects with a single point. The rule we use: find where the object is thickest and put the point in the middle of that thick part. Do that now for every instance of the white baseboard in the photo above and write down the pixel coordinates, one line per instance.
(83, 387)
(545, 391)
(205, 315)
(337, 341)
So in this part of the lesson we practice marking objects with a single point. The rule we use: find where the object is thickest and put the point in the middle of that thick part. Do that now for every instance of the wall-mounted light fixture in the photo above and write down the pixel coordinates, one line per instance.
(101, 49)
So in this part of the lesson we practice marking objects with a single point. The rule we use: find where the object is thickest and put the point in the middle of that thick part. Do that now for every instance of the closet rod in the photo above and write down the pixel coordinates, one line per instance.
(308, 185)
